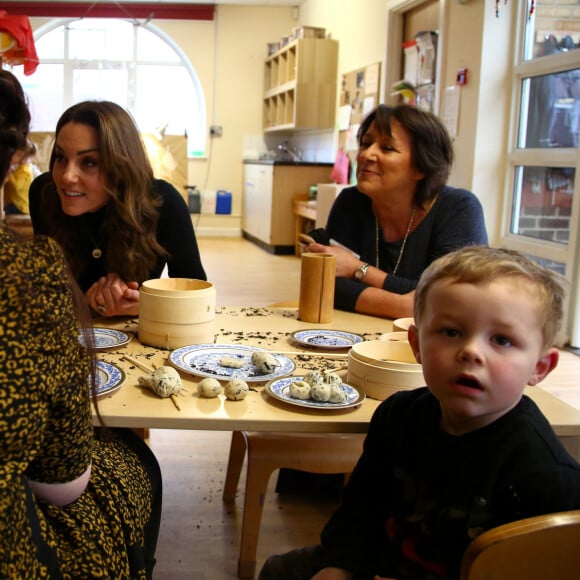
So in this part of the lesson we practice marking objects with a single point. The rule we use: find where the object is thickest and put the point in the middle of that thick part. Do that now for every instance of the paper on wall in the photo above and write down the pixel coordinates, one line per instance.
(451, 109)
(344, 117)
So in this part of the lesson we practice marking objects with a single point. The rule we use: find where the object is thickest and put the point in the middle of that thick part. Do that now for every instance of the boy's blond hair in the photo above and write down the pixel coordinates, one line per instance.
(482, 264)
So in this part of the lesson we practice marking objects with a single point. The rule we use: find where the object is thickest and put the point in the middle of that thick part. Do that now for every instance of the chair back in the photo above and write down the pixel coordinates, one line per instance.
(537, 548)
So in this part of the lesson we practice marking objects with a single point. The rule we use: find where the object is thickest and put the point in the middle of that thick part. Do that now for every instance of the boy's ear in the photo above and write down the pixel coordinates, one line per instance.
(413, 336)
(544, 366)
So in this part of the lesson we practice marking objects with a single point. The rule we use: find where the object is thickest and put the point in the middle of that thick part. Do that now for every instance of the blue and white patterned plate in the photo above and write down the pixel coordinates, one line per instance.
(109, 378)
(107, 338)
(327, 339)
(204, 360)
(280, 389)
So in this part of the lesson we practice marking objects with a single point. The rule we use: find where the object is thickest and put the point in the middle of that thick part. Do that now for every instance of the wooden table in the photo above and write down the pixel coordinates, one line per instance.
(133, 406)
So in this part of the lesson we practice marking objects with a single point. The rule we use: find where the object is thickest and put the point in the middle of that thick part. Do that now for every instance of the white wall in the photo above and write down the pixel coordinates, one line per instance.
(228, 55)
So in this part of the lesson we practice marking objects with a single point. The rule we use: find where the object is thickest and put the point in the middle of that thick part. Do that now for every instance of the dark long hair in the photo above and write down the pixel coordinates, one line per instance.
(431, 147)
(14, 127)
(14, 120)
(131, 216)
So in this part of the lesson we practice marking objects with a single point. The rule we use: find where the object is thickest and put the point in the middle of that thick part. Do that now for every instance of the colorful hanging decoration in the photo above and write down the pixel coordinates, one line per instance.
(17, 42)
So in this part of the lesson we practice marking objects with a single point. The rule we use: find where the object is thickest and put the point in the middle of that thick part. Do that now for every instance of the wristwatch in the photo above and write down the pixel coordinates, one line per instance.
(361, 272)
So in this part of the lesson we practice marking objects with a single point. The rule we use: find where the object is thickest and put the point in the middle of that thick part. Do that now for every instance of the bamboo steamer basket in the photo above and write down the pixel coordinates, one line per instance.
(176, 312)
(390, 354)
(402, 324)
(381, 368)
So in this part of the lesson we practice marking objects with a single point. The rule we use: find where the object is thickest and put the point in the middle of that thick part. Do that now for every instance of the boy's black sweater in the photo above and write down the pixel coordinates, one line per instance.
(418, 495)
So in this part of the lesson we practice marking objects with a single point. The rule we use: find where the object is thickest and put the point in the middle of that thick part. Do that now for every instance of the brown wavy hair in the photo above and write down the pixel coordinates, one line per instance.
(130, 225)
(431, 146)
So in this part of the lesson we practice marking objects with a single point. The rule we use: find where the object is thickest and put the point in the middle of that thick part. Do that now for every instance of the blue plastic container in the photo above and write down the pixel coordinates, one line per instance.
(223, 202)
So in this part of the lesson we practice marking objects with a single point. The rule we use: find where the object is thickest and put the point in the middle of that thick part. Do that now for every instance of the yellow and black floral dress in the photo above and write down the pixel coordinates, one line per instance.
(46, 435)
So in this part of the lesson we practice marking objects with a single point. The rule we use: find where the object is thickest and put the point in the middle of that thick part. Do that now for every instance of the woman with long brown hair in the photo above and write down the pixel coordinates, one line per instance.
(118, 225)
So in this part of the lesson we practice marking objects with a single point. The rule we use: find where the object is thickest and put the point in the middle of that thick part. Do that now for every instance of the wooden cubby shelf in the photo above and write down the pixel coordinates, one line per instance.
(300, 85)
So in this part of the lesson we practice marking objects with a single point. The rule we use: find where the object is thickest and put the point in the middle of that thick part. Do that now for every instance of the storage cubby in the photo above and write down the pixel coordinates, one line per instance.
(300, 85)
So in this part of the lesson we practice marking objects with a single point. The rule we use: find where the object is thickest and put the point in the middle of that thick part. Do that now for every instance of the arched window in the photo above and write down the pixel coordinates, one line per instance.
(135, 65)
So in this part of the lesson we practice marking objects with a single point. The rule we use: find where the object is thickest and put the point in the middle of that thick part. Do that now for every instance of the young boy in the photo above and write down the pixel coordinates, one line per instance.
(22, 172)
(469, 451)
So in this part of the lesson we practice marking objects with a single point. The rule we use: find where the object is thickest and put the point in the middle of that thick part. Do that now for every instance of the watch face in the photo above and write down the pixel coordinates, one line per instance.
(361, 272)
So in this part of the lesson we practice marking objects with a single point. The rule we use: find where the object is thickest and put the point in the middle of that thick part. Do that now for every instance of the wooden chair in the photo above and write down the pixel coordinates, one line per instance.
(545, 547)
(312, 452)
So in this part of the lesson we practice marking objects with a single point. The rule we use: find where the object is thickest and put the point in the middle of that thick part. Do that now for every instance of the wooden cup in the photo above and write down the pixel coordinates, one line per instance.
(317, 279)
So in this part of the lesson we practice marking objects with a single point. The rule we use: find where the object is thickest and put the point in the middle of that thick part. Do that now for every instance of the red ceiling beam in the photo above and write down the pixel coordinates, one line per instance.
(142, 10)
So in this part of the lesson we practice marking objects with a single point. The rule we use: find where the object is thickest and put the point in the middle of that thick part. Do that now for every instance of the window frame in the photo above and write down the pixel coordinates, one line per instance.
(194, 150)
(568, 254)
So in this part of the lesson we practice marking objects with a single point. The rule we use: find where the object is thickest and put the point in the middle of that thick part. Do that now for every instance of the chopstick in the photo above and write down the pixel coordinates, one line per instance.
(333, 355)
(334, 370)
(148, 369)
(174, 401)
(137, 363)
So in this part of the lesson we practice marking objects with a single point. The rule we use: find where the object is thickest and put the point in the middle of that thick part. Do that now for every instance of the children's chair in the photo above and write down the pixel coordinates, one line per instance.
(536, 548)
(267, 451)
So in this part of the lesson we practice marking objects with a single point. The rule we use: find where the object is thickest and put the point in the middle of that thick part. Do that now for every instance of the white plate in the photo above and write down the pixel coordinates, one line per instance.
(280, 389)
(204, 360)
(109, 378)
(107, 338)
(327, 339)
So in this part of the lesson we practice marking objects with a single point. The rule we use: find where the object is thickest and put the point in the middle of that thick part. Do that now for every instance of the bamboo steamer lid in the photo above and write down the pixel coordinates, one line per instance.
(381, 368)
(402, 324)
(175, 312)
(386, 353)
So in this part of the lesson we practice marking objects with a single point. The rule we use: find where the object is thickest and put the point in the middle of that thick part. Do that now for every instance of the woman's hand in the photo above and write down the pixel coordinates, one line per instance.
(346, 262)
(112, 296)
(332, 574)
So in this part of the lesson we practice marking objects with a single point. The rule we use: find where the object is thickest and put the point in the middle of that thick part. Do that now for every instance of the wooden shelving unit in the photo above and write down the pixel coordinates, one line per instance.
(300, 85)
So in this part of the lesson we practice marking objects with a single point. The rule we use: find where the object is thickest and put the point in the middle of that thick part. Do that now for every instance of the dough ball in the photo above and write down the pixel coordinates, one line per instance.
(337, 394)
(332, 379)
(231, 362)
(264, 362)
(209, 388)
(300, 390)
(314, 378)
(320, 392)
(164, 381)
(236, 390)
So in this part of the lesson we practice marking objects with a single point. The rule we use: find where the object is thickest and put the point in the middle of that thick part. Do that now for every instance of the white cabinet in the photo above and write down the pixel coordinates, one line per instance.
(268, 200)
(257, 201)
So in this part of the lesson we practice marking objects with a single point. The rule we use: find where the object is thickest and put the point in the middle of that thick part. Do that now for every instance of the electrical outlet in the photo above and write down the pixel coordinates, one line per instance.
(216, 130)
